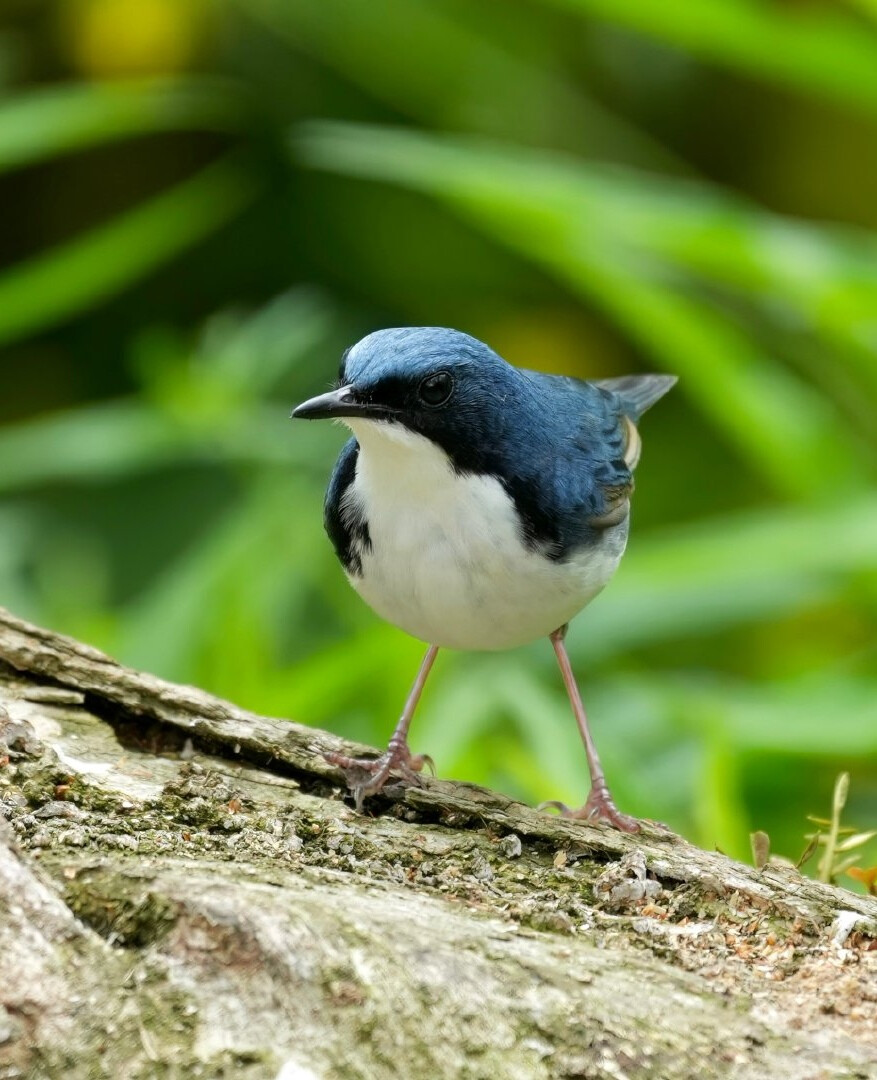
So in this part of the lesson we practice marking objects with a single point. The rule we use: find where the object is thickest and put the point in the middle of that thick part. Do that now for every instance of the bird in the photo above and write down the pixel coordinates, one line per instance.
(478, 506)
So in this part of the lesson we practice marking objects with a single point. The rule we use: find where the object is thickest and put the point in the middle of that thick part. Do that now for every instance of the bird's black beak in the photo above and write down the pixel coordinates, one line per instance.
(335, 404)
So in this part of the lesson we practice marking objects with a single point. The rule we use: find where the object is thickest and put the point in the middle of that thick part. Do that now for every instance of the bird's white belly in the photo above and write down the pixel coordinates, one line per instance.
(447, 563)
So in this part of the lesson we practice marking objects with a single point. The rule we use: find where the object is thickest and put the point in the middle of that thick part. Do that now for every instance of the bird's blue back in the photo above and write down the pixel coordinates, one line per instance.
(557, 444)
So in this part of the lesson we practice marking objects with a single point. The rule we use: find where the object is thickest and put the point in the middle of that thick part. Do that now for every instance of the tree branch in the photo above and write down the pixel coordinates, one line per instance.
(248, 917)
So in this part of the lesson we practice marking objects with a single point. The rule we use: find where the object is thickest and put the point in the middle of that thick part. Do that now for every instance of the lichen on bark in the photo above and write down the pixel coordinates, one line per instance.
(184, 891)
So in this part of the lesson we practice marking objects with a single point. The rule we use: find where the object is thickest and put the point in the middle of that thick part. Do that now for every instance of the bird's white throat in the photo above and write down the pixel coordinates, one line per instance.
(447, 561)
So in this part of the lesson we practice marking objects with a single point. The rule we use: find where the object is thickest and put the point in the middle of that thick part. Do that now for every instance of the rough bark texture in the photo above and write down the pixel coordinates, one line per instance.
(184, 891)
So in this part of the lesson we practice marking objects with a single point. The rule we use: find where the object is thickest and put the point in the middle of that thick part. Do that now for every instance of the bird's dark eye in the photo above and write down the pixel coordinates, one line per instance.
(436, 389)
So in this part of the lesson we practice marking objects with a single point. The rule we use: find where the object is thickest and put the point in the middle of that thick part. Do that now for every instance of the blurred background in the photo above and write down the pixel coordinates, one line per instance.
(205, 201)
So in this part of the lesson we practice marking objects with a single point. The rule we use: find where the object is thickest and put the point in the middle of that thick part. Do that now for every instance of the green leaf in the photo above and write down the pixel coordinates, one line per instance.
(441, 67)
(819, 278)
(80, 274)
(809, 851)
(856, 840)
(813, 49)
(123, 438)
(700, 578)
(19, 532)
(49, 121)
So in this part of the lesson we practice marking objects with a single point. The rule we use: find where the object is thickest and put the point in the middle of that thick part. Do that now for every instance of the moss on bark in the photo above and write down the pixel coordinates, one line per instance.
(184, 892)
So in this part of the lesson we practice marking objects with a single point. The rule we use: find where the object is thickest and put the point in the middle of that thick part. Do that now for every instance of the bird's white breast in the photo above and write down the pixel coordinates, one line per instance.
(447, 562)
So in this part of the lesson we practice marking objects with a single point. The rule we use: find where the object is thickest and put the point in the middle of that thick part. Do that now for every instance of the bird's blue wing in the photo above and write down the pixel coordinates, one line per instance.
(576, 480)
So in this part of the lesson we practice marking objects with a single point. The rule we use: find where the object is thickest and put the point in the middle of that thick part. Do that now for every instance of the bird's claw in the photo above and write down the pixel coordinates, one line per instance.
(367, 776)
(599, 807)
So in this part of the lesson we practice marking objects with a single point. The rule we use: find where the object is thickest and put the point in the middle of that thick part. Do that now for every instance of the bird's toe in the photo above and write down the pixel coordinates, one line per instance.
(368, 776)
(597, 808)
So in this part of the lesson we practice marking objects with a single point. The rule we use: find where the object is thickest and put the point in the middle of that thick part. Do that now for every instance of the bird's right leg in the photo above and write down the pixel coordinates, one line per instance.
(366, 776)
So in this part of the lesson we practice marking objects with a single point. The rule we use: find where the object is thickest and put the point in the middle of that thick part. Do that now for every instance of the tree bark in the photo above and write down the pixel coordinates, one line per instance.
(186, 891)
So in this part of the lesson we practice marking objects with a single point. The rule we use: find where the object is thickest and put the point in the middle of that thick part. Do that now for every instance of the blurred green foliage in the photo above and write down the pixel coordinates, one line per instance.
(205, 202)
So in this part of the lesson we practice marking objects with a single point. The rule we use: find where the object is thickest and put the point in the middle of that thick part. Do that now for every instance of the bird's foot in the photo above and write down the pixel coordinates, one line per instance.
(366, 776)
(599, 807)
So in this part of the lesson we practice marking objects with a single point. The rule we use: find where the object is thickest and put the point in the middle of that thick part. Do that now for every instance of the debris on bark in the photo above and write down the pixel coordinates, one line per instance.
(185, 891)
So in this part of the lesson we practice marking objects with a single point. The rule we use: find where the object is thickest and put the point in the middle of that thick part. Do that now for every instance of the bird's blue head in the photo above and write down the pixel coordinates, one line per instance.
(438, 383)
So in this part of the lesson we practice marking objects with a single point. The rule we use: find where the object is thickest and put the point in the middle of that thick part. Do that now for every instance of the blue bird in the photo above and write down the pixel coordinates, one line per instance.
(478, 506)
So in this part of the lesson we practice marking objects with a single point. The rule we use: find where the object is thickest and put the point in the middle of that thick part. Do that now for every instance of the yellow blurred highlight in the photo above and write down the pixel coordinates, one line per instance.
(118, 38)
(556, 340)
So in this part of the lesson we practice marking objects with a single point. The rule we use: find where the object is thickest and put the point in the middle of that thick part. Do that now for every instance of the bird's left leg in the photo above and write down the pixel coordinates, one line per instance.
(600, 805)
(366, 776)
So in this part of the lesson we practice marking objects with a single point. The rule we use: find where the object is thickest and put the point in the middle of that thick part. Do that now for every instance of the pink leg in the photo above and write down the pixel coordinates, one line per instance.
(366, 776)
(599, 806)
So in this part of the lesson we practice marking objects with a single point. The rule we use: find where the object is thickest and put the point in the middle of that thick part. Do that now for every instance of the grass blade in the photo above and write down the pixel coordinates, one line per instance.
(46, 122)
(815, 50)
(80, 274)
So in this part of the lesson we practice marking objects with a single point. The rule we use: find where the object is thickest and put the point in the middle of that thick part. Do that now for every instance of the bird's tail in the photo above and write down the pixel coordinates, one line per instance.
(638, 392)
